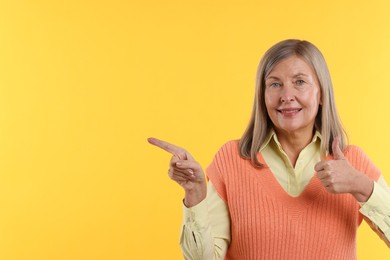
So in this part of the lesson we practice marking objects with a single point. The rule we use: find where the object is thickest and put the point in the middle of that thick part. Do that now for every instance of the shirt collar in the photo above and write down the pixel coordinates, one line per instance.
(272, 136)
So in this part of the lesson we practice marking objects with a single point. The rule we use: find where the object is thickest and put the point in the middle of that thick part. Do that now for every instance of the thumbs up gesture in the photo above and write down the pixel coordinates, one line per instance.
(184, 170)
(338, 176)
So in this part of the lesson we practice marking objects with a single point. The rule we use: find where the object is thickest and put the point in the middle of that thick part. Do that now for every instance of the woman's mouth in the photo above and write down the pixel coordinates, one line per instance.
(289, 111)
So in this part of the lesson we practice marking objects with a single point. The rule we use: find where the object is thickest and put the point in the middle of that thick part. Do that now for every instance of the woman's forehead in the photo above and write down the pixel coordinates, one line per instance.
(292, 66)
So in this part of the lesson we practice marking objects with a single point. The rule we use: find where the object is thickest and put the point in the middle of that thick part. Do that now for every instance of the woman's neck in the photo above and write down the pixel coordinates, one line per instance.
(294, 143)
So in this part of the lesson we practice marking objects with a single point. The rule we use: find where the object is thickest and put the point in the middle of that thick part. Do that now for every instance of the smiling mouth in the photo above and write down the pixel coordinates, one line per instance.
(289, 111)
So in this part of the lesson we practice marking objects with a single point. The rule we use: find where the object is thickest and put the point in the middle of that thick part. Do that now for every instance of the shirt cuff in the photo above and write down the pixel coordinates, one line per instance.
(196, 216)
(377, 209)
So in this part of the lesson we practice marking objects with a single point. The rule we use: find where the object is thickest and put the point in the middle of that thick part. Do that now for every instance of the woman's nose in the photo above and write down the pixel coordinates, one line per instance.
(287, 94)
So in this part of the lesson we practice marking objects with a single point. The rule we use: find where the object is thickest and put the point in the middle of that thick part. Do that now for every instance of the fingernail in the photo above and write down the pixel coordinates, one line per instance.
(178, 164)
(191, 172)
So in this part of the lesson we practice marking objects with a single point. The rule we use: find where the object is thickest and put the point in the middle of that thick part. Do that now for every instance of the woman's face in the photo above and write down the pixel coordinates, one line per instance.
(292, 96)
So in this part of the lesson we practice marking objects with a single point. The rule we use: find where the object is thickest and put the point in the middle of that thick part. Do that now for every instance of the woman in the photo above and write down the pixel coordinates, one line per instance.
(290, 188)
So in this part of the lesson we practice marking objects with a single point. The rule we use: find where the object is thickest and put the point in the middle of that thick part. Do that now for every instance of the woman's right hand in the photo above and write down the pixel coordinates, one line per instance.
(184, 170)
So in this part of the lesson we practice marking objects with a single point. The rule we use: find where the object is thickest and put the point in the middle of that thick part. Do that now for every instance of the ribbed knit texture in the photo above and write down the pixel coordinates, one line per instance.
(267, 223)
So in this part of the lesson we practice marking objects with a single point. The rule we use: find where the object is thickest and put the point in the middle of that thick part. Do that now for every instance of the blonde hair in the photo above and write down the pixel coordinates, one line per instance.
(327, 121)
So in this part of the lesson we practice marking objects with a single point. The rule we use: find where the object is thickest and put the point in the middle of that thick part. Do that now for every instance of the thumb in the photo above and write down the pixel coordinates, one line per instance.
(337, 153)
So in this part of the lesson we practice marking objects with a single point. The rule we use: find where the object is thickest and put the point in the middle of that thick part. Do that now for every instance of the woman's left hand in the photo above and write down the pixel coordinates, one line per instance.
(338, 176)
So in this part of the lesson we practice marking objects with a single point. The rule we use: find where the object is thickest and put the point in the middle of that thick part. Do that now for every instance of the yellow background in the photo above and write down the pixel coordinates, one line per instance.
(84, 83)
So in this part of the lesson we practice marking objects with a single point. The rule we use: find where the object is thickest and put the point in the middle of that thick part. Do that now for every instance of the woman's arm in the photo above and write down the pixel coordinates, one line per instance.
(206, 228)
(376, 210)
(339, 176)
(206, 225)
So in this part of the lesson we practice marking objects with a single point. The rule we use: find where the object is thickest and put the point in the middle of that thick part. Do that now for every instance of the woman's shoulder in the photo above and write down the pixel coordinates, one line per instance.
(360, 160)
(229, 148)
(230, 145)
(354, 150)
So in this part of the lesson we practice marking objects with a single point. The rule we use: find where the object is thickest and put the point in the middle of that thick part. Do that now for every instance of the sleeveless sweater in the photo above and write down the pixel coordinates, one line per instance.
(267, 223)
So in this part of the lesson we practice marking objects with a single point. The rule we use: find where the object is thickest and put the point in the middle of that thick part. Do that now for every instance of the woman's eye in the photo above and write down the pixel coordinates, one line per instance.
(274, 85)
(300, 82)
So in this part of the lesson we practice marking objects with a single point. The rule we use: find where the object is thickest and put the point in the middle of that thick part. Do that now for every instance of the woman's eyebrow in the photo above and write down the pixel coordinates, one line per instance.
(300, 75)
(271, 77)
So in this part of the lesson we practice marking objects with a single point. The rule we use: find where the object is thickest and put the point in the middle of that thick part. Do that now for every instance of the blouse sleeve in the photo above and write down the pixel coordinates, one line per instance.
(205, 231)
(376, 210)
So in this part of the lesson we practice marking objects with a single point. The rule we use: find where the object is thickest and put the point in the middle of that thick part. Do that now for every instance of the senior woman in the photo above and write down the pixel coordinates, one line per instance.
(290, 188)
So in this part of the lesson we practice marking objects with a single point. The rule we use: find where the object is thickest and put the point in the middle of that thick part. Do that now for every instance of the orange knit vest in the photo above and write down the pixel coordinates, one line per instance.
(267, 223)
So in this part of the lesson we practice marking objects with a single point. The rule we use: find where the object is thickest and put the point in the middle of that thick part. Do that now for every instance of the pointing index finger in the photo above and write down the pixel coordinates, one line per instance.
(170, 148)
